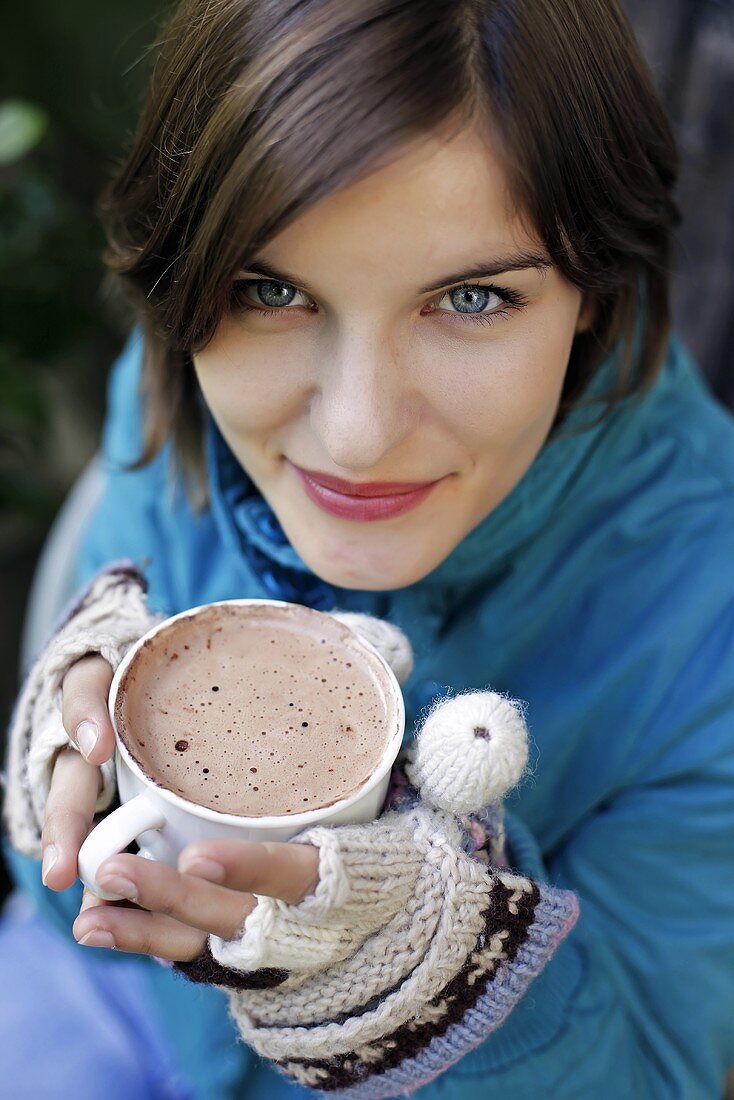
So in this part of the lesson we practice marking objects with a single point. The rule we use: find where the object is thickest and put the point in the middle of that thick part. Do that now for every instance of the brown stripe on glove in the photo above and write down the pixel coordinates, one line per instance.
(205, 968)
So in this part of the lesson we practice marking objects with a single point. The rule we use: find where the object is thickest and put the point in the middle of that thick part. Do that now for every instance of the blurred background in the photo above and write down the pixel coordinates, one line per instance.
(71, 84)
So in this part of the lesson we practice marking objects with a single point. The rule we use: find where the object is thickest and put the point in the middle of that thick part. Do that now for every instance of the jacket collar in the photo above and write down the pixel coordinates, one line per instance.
(251, 529)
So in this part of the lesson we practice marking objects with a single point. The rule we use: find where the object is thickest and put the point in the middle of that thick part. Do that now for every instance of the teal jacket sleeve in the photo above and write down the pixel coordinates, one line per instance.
(638, 1001)
(125, 523)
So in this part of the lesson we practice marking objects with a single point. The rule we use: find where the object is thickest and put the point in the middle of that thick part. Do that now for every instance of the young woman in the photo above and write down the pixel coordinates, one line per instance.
(400, 277)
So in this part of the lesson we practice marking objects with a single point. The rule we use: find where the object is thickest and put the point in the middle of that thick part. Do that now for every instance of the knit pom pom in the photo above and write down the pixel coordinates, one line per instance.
(388, 639)
(469, 751)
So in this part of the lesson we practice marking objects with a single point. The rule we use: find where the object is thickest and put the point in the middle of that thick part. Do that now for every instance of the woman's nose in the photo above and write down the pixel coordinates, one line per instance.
(362, 409)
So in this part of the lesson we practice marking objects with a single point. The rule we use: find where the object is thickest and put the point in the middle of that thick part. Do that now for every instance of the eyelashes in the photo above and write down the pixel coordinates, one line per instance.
(513, 300)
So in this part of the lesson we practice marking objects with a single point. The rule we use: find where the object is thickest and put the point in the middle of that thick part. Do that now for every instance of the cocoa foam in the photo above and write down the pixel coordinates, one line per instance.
(256, 710)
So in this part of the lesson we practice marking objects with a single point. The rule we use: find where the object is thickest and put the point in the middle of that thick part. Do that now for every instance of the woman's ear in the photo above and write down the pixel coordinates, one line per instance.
(587, 313)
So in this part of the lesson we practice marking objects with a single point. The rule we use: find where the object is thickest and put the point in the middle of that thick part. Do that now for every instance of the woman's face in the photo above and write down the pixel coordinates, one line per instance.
(369, 357)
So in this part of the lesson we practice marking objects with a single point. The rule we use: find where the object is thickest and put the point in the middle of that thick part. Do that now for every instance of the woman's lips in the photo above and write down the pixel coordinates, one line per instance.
(351, 506)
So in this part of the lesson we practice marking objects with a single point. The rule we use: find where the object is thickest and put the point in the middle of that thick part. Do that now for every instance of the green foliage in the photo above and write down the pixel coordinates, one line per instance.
(21, 127)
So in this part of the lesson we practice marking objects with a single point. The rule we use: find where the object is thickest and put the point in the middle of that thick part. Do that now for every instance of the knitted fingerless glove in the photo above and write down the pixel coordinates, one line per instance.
(106, 616)
(416, 943)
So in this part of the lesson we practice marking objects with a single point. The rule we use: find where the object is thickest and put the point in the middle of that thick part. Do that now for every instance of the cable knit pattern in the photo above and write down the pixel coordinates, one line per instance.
(418, 941)
(107, 616)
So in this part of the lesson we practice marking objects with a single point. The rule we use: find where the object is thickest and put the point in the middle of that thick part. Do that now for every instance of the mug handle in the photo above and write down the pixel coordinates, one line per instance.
(113, 834)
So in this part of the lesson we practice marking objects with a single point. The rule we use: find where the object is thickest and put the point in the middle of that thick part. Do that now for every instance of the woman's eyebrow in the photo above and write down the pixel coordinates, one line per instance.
(260, 267)
(516, 261)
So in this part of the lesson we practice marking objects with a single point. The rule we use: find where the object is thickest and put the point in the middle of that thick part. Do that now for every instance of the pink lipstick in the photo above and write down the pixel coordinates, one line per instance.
(363, 501)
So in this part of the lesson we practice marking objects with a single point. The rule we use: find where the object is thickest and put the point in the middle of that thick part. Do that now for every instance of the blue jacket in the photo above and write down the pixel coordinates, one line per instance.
(601, 592)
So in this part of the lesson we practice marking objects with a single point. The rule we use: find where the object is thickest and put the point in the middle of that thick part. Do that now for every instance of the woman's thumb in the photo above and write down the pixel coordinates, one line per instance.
(85, 689)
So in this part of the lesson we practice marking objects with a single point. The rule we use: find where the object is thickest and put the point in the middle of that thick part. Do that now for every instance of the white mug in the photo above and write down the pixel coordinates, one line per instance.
(163, 824)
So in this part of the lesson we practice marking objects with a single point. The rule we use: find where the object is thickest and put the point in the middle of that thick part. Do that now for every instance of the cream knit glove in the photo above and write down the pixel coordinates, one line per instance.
(106, 616)
(414, 946)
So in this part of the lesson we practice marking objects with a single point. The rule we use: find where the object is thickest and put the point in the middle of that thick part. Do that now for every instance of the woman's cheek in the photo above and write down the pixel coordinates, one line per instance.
(527, 385)
(249, 396)
(504, 391)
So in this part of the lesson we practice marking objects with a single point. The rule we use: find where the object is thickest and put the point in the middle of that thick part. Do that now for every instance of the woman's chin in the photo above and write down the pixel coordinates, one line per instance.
(366, 575)
(366, 582)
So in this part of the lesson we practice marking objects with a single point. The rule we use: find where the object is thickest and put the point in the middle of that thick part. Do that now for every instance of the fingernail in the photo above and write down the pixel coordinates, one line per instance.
(115, 884)
(49, 858)
(97, 938)
(202, 868)
(87, 733)
(88, 900)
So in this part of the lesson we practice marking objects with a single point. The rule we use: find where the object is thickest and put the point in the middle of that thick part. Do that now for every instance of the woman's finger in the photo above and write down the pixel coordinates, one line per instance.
(286, 871)
(75, 787)
(138, 931)
(162, 889)
(84, 693)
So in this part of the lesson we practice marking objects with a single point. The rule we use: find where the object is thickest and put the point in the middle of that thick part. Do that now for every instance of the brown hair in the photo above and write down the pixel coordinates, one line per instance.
(258, 108)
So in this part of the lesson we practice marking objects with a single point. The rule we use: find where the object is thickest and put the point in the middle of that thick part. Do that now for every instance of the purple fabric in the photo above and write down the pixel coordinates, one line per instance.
(92, 1019)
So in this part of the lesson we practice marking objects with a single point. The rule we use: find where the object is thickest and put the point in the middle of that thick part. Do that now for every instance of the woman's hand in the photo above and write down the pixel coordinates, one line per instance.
(212, 891)
(182, 908)
(76, 780)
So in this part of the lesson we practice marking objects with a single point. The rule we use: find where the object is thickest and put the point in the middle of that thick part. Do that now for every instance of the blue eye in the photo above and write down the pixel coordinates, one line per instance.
(270, 293)
(471, 299)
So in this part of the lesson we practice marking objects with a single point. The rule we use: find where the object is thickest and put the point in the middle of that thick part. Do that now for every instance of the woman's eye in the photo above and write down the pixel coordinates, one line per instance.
(264, 296)
(472, 302)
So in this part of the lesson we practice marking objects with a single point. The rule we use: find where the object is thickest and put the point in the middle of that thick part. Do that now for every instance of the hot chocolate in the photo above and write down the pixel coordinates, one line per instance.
(256, 709)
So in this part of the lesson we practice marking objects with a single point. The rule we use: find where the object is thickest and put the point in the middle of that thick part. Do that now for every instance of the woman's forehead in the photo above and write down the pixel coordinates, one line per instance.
(436, 208)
